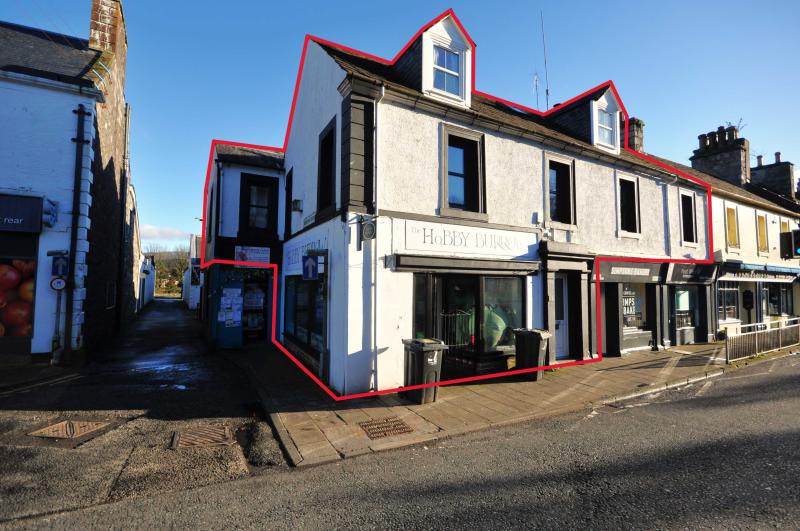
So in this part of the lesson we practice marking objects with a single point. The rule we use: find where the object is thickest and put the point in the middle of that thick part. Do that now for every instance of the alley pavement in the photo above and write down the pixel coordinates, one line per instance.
(718, 454)
(159, 380)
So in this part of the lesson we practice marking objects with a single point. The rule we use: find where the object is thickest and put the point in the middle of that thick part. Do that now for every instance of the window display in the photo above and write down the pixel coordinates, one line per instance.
(17, 293)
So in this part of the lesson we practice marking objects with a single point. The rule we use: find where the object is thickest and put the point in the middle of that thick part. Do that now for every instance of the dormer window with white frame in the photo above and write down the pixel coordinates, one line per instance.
(605, 123)
(446, 70)
(447, 64)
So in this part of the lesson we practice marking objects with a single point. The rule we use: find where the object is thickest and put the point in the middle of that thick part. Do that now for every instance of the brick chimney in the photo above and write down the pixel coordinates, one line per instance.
(107, 33)
(777, 177)
(636, 134)
(724, 155)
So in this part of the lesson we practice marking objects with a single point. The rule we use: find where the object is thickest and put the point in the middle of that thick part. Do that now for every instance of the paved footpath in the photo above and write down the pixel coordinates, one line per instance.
(314, 429)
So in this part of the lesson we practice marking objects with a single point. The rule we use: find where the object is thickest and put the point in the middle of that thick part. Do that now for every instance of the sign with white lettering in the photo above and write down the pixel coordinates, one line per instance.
(295, 249)
(449, 239)
(691, 273)
(631, 272)
(20, 213)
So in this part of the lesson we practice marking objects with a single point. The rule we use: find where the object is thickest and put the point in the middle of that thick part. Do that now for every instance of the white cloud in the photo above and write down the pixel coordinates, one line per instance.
(151, 232)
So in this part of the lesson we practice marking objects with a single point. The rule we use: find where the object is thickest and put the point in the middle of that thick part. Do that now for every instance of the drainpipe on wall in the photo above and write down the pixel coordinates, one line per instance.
(80, 141)
(375, 241)
(121, 262)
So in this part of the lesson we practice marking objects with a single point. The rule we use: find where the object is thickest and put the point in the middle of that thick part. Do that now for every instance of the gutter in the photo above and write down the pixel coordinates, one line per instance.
(52, 84)
(80, 141)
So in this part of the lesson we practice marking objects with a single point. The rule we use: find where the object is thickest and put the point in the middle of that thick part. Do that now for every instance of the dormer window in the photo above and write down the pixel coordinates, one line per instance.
(446, 71)
(605, 128)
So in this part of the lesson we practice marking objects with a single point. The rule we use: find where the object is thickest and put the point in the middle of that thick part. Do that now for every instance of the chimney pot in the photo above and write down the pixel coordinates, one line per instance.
(721, 140)
(702, 140)
(777, 157)
(712, 139)
(758, 158)
(733, 133)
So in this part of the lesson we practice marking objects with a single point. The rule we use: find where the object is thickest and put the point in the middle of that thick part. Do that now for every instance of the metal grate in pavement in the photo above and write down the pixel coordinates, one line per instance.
(387, 427)
(200, 436)
(69, 429)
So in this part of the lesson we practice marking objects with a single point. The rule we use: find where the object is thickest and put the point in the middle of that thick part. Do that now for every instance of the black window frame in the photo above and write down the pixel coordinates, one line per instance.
(784, 294)
(474, 173)
(326, 172)
(565, 179)
(625, 213)
(684, 196)
(313, 286)
(247, 180)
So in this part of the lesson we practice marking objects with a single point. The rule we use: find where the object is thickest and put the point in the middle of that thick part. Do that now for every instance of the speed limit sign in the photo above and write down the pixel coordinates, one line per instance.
(58, 283)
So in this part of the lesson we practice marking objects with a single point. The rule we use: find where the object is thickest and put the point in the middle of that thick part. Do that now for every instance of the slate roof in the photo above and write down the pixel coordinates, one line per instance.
(483, 107)
(262, 158)
(45, 54)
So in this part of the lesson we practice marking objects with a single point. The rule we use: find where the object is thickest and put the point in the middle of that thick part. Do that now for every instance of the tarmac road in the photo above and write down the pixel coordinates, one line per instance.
(720, 454)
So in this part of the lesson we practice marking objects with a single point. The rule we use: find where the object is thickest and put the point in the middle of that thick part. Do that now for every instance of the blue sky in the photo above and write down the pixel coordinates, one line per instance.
(205, 69)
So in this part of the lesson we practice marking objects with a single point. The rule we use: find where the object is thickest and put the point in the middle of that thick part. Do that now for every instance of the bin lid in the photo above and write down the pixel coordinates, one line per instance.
(539, 331)
(425, 344)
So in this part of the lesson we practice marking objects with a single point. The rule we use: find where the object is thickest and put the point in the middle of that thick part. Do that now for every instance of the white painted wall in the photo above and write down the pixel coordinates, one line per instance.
(318, 100)
(516, 187)
(38, 159)
(230, 186)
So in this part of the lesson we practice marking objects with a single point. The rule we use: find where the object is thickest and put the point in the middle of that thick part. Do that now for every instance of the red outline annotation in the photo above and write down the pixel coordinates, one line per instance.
(204, 264)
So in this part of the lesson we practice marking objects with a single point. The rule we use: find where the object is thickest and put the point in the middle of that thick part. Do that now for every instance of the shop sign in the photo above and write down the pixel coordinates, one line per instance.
(20, 213)
(630, 272)
(295, 250)
(464, 240)
(691, 273)
(260, 255)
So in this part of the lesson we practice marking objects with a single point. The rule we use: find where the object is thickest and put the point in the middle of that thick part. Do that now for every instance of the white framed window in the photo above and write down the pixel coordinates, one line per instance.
(628, 206)
(606, 133)
(446, 70)
(688, 218)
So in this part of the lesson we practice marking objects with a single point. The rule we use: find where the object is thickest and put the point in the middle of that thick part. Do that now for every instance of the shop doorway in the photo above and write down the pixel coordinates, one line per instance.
(561, 316)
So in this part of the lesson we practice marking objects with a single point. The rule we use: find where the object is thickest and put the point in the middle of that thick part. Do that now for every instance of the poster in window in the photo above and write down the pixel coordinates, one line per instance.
(17, 292)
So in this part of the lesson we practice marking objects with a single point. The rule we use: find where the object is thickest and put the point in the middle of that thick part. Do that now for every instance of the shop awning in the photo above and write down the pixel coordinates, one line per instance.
(743, 272)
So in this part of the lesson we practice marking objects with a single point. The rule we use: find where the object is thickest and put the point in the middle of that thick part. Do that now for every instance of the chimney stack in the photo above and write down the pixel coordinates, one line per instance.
(724, 155)
(636, 134)
(107, 34)
(777, 177)
(760, 159)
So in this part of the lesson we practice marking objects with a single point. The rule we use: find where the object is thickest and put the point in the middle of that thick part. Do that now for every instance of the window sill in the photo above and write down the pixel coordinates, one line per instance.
(734, 250)
(607, 147)
(455, 213)
(561, 225)
(442, 94)
(630, 235)
(693, 245)
(764, 254)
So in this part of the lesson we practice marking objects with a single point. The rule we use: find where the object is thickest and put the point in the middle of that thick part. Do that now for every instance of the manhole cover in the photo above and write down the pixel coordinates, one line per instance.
(69, 429)
(376, 429)
(202, 436)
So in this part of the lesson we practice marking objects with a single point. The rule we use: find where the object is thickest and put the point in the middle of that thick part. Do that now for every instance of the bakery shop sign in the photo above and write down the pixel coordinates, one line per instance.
(20, 213)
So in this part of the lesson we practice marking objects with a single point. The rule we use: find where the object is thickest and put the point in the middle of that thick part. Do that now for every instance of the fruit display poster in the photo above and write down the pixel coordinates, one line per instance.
(17, 291)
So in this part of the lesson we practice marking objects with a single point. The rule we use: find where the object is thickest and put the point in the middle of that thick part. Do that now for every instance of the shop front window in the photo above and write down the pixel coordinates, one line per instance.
(779, 299)
(685, 306)
(633, 304)
(304, 312)
(502, 313)
(727, 300)
(17, 291)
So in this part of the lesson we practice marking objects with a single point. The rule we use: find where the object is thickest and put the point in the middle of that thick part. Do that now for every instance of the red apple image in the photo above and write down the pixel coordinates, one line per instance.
(3, 299)
(26, 290)
(2, 330)
(22, 331)
(16, 314)
(26, 267)
(9, 277)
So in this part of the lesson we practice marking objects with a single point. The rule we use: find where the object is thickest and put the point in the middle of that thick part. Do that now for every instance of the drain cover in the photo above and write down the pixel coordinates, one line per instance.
(202, 436)
(69, 429)
(387, 427)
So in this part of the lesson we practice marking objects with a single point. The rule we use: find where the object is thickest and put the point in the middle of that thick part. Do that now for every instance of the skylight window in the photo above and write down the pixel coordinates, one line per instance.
(446, 71)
